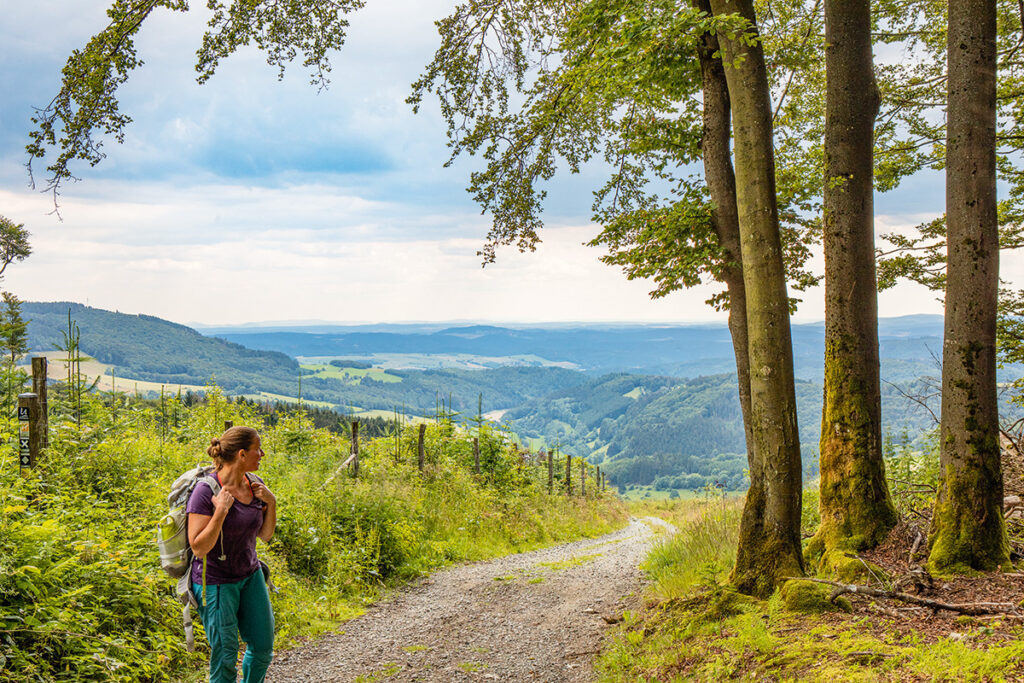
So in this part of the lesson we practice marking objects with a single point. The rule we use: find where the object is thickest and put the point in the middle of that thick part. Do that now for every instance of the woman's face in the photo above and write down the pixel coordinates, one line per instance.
(251, 456)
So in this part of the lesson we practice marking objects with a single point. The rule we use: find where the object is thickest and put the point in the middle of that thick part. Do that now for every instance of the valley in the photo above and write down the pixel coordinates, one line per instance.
(654, 405)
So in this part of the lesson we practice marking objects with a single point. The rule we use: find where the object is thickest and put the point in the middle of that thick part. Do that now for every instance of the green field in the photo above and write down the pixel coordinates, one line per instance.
(390, 415)
(350, 375)
(266, 395)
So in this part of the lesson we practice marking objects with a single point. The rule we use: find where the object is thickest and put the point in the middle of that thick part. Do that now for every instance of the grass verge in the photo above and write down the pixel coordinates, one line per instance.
(694, 627)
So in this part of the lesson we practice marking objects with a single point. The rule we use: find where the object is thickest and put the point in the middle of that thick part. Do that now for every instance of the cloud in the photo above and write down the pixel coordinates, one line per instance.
(251, 199)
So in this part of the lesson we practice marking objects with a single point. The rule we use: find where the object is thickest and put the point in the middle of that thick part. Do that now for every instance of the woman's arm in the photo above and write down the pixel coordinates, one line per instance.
(266, 531)
(204, 530)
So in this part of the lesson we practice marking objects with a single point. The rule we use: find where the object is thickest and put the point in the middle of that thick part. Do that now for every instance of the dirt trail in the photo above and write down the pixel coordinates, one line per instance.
(535, 616)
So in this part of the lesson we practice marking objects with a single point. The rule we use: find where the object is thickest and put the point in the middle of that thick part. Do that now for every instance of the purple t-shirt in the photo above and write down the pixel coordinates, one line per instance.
(241, 525)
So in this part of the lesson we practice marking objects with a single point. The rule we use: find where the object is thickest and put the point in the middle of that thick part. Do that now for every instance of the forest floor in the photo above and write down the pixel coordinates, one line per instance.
(694, 627)
(536, 616)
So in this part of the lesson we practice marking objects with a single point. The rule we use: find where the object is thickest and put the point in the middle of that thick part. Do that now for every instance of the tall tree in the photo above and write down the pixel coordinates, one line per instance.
(721, 182)
(968, 532)
(769, 547)
(856, 510)
(13, 330)
(915, 97)
(14, 244)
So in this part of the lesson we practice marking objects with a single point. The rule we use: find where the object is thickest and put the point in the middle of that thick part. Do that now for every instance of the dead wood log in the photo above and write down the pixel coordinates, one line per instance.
(972, 609)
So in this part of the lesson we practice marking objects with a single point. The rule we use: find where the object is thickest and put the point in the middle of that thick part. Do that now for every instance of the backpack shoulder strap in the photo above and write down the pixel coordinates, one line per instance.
(210, 481)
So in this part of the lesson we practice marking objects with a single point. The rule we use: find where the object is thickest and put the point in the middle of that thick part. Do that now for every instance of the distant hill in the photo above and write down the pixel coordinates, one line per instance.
(149, 348)
(906, 345)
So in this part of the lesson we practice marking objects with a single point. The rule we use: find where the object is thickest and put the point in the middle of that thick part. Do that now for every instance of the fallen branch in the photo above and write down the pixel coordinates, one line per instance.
(913, 548)
(972, 609)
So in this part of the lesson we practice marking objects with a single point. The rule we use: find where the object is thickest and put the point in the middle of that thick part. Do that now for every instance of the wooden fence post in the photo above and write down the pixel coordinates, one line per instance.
(423, 433)
(568, 474)
(29, 430)
(551, 472)
(583, 477)
(476, 455)
(597, 478)
(228, 424)
(355, 448)
(39, 370)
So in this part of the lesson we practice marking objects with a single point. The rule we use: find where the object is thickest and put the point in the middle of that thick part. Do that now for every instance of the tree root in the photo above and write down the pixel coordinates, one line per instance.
(972, 609)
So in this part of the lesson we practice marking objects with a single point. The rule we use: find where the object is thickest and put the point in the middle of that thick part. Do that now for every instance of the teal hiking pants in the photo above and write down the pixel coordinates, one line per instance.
(233, 609)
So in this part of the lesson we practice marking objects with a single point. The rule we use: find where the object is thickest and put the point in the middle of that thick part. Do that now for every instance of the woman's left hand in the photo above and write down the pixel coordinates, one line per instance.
(263, 493)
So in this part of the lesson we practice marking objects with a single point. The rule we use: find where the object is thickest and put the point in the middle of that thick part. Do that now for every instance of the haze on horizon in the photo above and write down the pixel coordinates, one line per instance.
(250, 199)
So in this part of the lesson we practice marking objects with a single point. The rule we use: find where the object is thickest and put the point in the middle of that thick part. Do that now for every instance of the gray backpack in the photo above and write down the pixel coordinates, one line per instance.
(172, 540)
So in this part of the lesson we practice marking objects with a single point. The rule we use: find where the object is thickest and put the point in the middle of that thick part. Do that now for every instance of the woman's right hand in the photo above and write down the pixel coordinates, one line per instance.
(223, 501)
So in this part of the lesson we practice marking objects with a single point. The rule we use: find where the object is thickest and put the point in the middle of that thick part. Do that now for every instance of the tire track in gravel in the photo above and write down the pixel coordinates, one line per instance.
(535, 616)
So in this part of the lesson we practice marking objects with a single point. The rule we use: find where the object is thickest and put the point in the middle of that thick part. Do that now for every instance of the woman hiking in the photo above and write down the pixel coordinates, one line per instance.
(227, 579)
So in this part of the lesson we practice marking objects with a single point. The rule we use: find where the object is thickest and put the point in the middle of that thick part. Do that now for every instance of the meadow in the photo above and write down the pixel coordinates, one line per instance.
(82, 596)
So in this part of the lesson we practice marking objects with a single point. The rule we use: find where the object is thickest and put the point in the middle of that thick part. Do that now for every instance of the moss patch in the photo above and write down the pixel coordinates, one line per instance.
(808, 597)
(968, 532)
(840, 565)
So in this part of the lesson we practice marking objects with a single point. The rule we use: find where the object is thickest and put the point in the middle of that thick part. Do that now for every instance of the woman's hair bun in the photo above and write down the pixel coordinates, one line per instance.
(233, 440)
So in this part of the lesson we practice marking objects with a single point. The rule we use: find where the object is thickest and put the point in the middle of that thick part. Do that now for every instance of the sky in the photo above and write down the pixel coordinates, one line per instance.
(250, 199)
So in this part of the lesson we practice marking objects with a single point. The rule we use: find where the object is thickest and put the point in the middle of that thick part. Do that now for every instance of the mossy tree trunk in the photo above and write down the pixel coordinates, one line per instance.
(769, 546)
(856, 509)
(968, 532)
(721, 181)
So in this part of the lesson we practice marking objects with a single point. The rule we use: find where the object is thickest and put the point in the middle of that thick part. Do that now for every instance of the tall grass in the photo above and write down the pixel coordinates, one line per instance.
(703, 548)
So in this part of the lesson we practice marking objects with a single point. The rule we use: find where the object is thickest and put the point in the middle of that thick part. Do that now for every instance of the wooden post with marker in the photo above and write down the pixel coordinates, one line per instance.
(29, 431)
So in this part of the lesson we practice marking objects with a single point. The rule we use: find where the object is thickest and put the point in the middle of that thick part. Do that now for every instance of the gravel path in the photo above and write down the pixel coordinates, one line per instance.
(536, 616)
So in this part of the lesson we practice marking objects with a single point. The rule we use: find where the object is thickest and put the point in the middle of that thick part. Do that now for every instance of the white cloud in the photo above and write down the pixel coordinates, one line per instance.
(251, 199)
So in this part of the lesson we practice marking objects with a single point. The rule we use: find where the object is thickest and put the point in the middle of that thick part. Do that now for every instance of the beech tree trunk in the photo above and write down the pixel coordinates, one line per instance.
(856, 509)
(721, 181)
(968, 532)
(769, 547)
